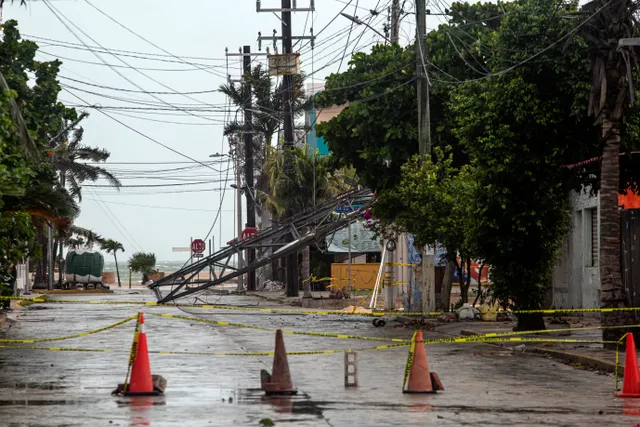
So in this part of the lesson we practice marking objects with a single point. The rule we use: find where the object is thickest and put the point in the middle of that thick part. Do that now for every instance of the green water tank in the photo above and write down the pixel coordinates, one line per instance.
(84, 266)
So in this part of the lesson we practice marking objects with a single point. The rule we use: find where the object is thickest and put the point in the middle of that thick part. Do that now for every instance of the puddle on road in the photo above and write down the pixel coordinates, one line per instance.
(36, 386)
(35, 402)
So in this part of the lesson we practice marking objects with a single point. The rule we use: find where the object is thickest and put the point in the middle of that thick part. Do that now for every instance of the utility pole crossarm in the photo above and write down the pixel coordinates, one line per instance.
(311, 8)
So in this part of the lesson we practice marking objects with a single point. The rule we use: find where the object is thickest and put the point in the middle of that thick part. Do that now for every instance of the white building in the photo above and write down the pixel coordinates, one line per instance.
(576, 279)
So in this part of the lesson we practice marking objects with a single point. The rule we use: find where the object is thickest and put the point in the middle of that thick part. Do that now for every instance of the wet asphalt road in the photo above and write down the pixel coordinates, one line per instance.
(484, 386)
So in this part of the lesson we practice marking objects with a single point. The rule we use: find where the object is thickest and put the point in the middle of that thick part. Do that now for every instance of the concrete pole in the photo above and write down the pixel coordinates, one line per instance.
(389, 290)
(50, 257)
(27, 284)
(395, 21)
(240, 286)
(428, 280)
(349, 266)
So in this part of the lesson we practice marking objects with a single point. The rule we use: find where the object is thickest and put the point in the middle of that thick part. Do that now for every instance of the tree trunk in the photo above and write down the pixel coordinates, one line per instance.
(479, 284)
(306, 271)
(292, 284)
(117, 270)
(447, 281)
(459, 267)
(39, 281)
(530, 322)
(613, 293)
(61, 262)
(465, 283)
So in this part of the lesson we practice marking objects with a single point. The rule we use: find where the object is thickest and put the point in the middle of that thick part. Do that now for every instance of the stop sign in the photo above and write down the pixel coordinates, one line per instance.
(198, 246)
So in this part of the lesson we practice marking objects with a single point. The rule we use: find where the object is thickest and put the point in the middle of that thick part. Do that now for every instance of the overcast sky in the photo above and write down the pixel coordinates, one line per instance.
(155, 219)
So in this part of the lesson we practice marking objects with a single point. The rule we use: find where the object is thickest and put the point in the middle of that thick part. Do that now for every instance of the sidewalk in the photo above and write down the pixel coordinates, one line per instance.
(580, 355)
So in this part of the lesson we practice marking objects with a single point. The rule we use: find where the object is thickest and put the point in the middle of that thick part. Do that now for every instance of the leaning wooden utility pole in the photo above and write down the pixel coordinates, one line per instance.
(424, 144)
(287, 65)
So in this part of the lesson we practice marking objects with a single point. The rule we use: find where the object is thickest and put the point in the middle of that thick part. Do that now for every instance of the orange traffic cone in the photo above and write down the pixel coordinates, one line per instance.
(279, 382)
(631, 379)
(417, 370)
(141, 382)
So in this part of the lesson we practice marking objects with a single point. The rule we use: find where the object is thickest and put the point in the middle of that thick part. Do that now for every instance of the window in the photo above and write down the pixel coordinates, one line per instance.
(595, 250)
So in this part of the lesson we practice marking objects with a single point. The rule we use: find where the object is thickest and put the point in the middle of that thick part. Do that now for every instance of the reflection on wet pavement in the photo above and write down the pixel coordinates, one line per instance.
(485, 386)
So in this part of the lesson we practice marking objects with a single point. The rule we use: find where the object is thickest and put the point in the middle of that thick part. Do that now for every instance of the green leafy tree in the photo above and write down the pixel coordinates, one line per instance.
(144, 263)
(377, 132)
(17, 243)
(519, 128)
(33, 110)
(112, 246)
(307, 183)
(432, 203)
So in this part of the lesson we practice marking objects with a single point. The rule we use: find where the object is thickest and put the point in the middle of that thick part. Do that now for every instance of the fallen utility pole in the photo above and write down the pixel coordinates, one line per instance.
(307, 226)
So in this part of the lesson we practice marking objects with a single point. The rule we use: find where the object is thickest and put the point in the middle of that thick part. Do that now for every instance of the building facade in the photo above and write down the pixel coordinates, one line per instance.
(576, 279)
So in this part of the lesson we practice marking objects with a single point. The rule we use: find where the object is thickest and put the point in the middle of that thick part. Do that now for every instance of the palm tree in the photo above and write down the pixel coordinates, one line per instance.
(76, 242)
(307, 183)
(613, 90)
(110, 246)
(265, 98)
(72, 172)
(144, 263)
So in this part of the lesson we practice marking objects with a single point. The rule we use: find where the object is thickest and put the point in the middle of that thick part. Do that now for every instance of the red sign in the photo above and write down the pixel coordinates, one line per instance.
(198, 246)
(248, 232)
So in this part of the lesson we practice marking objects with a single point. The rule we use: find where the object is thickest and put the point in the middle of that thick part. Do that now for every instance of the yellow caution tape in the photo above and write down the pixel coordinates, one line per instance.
(302, 353)
(407, 369)
(399, 264)
(134, 350)
(489, 337)
(220, 307)
(259, 328)
(68, 337)
(301, 312)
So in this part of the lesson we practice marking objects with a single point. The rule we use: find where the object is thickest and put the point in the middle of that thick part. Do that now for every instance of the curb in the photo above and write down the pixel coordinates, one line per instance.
(569, 357)
(279, 301)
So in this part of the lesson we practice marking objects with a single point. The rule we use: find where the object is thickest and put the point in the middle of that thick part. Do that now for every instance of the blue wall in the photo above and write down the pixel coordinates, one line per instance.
(313, 141)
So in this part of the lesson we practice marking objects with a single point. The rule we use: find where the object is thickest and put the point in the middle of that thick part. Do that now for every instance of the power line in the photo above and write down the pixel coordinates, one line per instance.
(143, 134)
(122, 231)
(119, 89)
(82, 46)
(152, 185)
(59, 16)
(141, 37)
(158, 207)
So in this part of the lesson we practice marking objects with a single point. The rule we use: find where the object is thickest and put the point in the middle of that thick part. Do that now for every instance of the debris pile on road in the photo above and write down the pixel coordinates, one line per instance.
(271, 285)
(356, 309)
(420, 323)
